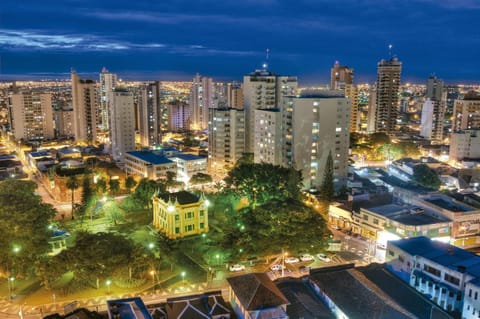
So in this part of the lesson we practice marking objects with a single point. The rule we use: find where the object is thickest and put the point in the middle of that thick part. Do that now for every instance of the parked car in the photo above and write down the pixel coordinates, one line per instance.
(291, 260)
(237, 267)
(323, 257)
(306, 257)
(277, 267)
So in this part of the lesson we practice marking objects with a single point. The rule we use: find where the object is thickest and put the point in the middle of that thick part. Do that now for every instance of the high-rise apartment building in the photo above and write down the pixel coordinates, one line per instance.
(150, 115)
(314, 125)
(106, 84)
(372, 109)
(226, 139)
(465, 145)
(235, 95)
(122, 123)
(268, 136)
(466, 112)
(63, 119)
(341, 78)
(433, 110)
(31, 116)
(178, 115)
(201, 99)
(388, 84)
(85, 102)
(263, 90)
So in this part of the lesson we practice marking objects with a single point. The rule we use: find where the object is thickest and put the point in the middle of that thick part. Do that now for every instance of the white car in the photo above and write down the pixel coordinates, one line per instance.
(323, 257)
(306, 257)
(291, 260)
(237, 267)
(277, 267)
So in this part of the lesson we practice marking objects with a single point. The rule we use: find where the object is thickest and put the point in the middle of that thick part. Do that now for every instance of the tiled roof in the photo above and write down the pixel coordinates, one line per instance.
(183, 197)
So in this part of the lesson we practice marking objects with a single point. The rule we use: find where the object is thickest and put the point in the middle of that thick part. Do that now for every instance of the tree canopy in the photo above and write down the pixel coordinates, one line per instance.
(263, 182)
(425, 176)
(327, 189)
(24, 220)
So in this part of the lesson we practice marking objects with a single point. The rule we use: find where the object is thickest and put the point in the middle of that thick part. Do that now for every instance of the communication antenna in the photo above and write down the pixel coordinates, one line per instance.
(265, 65)
(390, 50)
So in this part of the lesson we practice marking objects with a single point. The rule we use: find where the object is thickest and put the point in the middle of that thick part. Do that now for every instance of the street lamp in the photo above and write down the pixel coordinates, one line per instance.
(218, 257)
(108, 283)
(11, 281)
(152, 272)
(283, 262)
(183, 277)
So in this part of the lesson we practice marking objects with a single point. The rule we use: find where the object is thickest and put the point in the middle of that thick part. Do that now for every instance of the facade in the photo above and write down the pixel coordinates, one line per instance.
(256, 296)
(341, 78)
(180, 214)
(235, 95)
(446, 274)
(150, 115)
(372, 109)
(201, 100)
(107, 82)
(226, 139)
(31, 116)
(263, 90)
(178, 115)
(63, 119)
(465, 218)
(433, 111)
(122, 123)
(85, 102)
(268, 136)
(465, 145)
(466, 113)
(149, 164)
(314, 125)
(189, 165)
(388, 85)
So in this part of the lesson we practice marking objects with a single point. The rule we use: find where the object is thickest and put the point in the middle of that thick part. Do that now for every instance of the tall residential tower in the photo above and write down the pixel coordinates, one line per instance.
(85, 102)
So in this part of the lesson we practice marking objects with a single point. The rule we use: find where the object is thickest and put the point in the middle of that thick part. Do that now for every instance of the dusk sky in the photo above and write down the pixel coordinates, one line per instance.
(166, 39)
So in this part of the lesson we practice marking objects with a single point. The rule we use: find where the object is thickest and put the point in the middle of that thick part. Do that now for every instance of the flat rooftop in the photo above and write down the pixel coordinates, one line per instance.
(150, 157)
(129, 308)
(448, 204)
(443, 254)
(407, 215)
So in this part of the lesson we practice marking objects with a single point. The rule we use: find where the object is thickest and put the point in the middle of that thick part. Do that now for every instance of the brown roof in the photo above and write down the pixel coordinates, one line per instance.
(256, 291)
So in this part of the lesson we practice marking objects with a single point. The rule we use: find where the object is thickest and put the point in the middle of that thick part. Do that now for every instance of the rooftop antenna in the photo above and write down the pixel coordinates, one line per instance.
(265, 65)
(390, 51)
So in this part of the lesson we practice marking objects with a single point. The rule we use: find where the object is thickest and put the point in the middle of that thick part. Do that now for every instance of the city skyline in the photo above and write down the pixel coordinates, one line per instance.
(176, 39)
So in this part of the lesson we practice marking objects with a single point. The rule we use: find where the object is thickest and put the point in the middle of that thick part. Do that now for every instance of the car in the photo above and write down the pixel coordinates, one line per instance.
(277, 267)
(237, 267)
(291, 260)
(306, 257)
(323, 257)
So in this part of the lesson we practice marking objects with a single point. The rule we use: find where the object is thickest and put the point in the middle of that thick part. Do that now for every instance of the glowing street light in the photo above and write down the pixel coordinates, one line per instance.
(218, 258)
(183, 277)
(152, 273)
(108, 283)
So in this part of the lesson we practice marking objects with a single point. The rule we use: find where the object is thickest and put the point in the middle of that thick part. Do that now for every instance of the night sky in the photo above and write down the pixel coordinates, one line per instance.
(226, 39)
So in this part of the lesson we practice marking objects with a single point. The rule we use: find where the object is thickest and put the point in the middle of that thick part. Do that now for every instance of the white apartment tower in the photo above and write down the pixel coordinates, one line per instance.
(226, 139)
(466, 112)
(315, 124)
(263, 90)
(107, 84)
(201, 99)
(268, 136)
(122, 120)
(31, 116)
(465, 145)
(433, 110)
(85, 101)
(150, 115)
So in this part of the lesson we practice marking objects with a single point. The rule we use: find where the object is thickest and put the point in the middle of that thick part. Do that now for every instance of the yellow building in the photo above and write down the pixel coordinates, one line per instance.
(180, 214)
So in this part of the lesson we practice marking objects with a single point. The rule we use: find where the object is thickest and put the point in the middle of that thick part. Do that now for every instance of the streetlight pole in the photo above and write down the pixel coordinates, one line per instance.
(183, 277)
(283, 262)
(108, 283)
(152, 272)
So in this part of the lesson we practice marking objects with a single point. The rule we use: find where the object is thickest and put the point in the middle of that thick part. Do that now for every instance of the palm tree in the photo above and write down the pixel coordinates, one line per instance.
(73, 183)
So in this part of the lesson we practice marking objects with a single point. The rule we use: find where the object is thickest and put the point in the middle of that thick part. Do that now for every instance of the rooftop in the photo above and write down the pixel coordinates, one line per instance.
(256, 291)
(129, 308)
(444, 254)
(188, 157)
(407, 215)
(448, 204)
(150, 157)
(183, 197)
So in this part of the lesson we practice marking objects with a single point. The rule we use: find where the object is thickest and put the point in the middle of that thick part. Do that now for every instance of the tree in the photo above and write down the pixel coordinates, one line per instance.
(378, 139)
(262, 182)
(114, 185)
(145, 190)
(72, 184)
(24, 220)
(327, 189)
(425, 176)
(130, 182)
(200, 178)
(101, 186)
(113, 212)
(265, 229)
